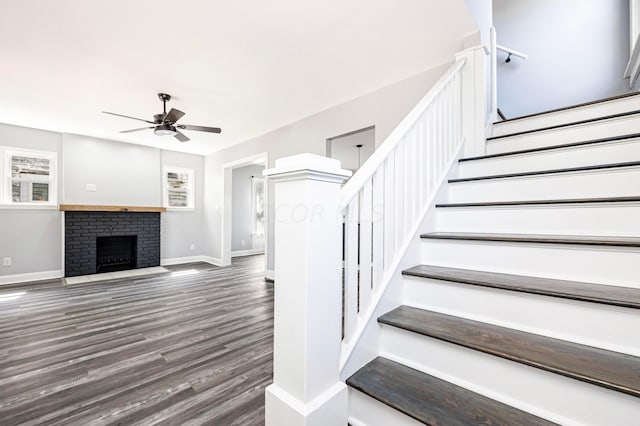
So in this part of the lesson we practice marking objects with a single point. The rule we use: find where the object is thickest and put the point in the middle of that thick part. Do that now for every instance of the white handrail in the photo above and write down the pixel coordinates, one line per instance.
(364, 173)
(385, 201)
(512, 52)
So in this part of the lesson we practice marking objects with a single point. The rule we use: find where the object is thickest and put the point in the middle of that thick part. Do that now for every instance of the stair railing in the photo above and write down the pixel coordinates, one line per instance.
(386, 199)
(318, 322)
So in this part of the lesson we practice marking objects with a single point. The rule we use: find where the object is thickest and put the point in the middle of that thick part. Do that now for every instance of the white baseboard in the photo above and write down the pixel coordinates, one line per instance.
(32, 276)
(250, 252)
(212, 260)
(270, 274)
(191, 259)
(180, 260)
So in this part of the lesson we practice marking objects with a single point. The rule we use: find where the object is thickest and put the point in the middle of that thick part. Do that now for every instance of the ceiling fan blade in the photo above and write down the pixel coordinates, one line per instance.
(136, 130)
(126, 116)
(200, 128)
(174, 115)
(181, 137)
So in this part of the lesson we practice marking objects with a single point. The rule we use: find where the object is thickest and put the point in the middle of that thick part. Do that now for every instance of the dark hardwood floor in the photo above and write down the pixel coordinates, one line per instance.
(190, 347)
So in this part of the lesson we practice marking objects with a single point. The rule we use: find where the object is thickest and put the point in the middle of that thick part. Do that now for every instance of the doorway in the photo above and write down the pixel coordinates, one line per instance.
(247, 210)
(353, 148)
(250, 216)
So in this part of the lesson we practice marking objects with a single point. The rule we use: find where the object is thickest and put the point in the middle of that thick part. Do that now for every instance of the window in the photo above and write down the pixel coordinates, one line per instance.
(30, 177)
(178, 188)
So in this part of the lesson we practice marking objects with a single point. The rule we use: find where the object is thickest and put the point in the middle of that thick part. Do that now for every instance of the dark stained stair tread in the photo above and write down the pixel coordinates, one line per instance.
(554, 147)
(612, 370)
(559, 126)
(433, 401)
(549, 172)
(595, 293)
(602, 200)
(551, 111)
(537, 238)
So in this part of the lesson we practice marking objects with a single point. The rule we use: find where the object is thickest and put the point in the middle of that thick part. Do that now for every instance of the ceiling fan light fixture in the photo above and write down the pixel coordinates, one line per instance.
(165, 130)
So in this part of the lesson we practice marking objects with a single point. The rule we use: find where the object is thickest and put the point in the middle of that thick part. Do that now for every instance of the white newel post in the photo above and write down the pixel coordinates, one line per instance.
(306, 387)
(474, 101)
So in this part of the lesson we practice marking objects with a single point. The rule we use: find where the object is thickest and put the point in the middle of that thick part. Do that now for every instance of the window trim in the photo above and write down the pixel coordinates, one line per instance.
(5, 188)
(190, 188)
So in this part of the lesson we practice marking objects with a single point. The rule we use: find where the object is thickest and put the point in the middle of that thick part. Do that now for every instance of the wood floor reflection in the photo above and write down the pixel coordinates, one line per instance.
(190, 347)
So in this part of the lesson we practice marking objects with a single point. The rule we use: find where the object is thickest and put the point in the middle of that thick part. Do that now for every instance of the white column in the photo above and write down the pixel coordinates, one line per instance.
(306, 387)
(474, 101)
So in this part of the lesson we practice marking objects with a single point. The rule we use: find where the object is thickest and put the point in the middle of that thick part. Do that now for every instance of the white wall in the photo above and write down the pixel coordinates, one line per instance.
(578, 50)
(32, 238)
(241, 209)
(344, 148)
(383, 108)
(124, 174)
(182, 229)
(482, 12)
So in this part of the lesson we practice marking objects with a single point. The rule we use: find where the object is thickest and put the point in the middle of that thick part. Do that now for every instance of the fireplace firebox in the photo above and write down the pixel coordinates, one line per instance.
(116, 253)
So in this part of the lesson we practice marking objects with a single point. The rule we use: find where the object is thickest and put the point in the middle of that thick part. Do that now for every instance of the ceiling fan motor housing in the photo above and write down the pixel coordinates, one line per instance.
(165, 129)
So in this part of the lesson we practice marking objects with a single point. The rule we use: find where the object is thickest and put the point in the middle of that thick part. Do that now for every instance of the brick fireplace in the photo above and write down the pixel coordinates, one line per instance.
(105, 241)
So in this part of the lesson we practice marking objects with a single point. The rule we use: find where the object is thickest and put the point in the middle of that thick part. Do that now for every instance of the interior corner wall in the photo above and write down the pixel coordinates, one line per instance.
(31, 238)
(578, 51)
(482, 12)
(384, 109)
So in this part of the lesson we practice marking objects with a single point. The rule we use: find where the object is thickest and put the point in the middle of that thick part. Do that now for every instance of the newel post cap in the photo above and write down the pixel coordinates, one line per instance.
(307, 166)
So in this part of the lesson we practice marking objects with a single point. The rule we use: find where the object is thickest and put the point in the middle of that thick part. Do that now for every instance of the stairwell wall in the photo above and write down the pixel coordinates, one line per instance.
(383, 109)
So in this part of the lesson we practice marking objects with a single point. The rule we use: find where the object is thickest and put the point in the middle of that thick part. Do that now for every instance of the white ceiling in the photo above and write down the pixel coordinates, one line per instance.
(248, 66)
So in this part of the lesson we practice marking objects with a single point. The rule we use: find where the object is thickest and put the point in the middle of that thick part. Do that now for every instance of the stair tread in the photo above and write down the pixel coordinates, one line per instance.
(558, 126)
(433, 401)
(601, 200)
(551, 111)
(537, 238)
(588, 292)
(612, 370)
(550, 171)
(553, 147)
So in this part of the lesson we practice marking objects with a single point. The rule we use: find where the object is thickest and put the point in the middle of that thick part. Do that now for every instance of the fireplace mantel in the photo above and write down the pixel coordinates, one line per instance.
(94, 208)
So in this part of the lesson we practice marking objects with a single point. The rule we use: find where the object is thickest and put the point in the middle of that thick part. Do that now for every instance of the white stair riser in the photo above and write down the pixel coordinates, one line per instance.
(371, 412)
(584, 132)
(588, 155)
(593, 324)
(620, 219)
(545, 394)
(568, 116)
(594, 264)
(617, 182)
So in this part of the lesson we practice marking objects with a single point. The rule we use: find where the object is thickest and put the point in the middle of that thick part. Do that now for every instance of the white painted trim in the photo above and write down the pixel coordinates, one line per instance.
(368, 315)
(512, 52)
(270, 274)
(355, 422)
(24, 206)
(251, 252)
(227, 215)
(191, 259)
(180, 260)
(31, 276)
(212, 260)
(352, 188)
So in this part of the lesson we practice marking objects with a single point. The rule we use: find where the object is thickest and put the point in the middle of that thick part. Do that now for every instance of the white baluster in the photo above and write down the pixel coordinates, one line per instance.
(365, 246)
(351, 269)
(378, 225)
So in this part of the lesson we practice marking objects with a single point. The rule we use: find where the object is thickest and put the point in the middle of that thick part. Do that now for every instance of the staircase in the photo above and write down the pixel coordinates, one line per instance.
(524, 309)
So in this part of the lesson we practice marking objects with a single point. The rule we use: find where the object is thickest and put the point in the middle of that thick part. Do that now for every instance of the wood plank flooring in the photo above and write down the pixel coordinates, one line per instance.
(191, 347)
